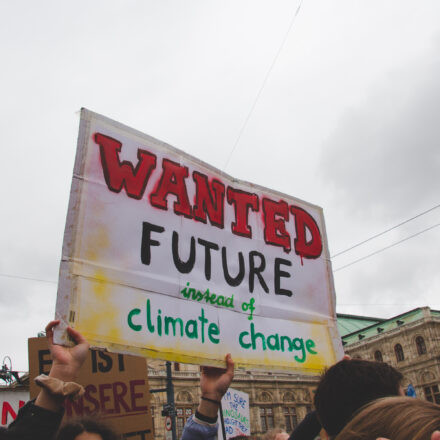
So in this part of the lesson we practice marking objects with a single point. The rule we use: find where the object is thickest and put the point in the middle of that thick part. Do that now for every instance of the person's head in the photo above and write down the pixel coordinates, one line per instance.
(396, 418)
(85, 429)
(349, 385)
(276, 434)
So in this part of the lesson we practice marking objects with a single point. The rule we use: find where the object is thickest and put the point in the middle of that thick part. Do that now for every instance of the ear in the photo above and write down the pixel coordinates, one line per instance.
(435, 435)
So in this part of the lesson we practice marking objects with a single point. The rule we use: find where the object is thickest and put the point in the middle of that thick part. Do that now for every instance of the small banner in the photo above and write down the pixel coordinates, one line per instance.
(236, 414)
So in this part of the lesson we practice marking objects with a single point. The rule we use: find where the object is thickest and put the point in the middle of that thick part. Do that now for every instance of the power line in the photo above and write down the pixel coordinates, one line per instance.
(262, 87)
(384, 232)
(27, 278)
(385, 248)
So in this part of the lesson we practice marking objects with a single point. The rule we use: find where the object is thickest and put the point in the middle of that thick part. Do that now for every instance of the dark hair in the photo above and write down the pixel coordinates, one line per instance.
(350, 384)
(72, 428)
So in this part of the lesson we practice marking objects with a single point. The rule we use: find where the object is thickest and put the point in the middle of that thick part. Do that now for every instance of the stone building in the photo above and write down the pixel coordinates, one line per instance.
(280, 399)
(409, 342)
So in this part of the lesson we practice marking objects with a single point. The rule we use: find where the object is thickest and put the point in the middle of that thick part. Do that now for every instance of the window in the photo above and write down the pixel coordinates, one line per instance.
(432, 394)
(176, 366)
(182, 415)
(398, 350)
(266, 418)
(421, 347)
(290, 418)
(378, 356)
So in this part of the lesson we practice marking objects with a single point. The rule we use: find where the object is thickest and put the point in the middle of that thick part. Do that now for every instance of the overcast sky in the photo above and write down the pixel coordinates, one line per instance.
(348, 119)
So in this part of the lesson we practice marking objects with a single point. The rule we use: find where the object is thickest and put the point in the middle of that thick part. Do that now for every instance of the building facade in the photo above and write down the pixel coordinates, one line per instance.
(410, 342)
(276, 400)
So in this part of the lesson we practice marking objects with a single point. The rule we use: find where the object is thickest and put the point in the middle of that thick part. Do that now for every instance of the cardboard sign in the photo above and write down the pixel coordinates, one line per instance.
(10, 403)
(236, 414)
(168, 257)
(116, 389)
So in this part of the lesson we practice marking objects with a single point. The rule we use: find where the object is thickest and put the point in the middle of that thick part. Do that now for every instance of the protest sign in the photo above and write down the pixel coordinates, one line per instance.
(116, 389)
(236, 415)
(10, 403)
(168, 257)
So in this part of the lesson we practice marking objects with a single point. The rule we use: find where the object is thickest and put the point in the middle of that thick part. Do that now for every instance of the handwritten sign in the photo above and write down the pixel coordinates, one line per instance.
(236, 415)
(116, 389)
(168, 257)
(10, 403)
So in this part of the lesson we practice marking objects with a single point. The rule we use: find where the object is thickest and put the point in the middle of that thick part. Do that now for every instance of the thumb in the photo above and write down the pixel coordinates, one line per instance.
(435, 435)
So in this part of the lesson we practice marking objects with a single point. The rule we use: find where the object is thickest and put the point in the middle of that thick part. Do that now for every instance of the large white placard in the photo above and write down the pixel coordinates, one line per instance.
(166, 256)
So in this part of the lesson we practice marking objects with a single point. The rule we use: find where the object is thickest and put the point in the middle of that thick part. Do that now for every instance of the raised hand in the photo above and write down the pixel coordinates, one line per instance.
(66, 361)
(214, 382)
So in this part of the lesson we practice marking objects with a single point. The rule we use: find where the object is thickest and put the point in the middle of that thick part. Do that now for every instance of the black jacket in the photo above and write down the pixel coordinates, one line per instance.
(32, 422)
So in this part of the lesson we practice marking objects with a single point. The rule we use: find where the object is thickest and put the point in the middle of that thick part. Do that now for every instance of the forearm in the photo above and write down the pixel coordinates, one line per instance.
(54, 402)
(208, 408)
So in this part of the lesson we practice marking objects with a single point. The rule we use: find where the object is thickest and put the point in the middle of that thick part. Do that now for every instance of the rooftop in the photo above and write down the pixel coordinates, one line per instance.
(355, 328)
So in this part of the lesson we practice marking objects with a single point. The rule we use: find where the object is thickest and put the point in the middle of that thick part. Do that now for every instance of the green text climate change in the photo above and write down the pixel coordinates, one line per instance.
(203, 330)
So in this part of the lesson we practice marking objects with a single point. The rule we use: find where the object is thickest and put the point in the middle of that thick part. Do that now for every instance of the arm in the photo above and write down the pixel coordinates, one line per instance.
(214, 382)
(66, 363)
(41, 419)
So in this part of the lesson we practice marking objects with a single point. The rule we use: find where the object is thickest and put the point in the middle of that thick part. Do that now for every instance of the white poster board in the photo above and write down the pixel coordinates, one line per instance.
(10, 403)
(168, 257)
(236, 414)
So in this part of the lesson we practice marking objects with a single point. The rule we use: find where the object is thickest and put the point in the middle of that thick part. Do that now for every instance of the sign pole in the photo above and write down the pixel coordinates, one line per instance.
(170, 400)
(222, 421)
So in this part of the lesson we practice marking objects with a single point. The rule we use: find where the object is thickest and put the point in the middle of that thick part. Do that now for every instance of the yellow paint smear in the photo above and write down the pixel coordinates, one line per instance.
(100, 317)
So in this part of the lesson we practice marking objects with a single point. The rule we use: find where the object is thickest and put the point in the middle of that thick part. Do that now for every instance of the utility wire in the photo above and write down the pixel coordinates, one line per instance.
(385, 248)
(27, 278)
(262, 87)
(384, 232)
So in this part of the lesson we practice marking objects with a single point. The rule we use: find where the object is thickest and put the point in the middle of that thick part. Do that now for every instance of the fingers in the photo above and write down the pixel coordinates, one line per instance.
(49, 330)
(76, 336)
(51, 325)
(346, 357)
(229, 365)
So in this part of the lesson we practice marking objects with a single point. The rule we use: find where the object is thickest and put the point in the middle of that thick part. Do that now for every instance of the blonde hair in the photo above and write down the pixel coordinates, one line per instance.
(396, 418)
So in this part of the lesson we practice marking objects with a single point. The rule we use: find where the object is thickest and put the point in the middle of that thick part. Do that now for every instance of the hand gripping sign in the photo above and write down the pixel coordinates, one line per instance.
(167, 257)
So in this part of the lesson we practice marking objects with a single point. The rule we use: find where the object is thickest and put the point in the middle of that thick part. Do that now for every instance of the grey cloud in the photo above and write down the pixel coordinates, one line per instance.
(384, 156)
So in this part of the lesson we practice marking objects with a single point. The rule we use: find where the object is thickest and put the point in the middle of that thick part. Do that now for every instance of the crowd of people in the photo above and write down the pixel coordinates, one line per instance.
(355, 400)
